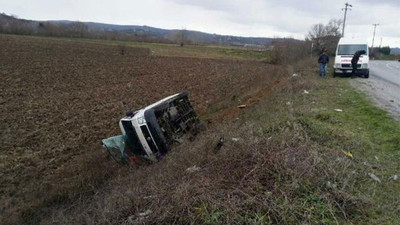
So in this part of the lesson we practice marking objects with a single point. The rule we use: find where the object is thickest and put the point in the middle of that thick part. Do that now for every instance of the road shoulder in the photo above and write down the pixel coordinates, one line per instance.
(383, 94)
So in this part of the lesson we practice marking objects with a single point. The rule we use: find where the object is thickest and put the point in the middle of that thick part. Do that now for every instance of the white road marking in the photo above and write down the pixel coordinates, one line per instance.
(391, 66)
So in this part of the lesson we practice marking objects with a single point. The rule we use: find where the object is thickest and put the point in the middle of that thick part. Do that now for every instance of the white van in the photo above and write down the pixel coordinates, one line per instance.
(344, 53)
(150, 132)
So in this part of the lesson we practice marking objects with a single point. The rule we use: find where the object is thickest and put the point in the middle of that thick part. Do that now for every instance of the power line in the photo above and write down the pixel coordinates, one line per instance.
(373, 38)
(347, 7)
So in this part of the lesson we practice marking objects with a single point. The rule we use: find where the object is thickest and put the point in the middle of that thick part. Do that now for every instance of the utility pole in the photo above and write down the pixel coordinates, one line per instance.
(312, 45)
(347, 7)
(373, 38)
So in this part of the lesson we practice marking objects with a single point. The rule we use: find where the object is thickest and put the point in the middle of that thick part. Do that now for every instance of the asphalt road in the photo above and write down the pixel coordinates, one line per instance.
(383, 85)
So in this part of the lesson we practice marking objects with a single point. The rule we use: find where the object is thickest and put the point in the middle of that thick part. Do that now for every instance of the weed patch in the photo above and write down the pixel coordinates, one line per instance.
(304, 151)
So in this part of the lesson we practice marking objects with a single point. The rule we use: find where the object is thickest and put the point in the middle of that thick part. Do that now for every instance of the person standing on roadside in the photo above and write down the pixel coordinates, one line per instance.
(354, 62)
(323, 61)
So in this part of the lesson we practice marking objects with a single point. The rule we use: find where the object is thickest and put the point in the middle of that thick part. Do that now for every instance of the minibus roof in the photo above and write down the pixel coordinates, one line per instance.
(350, 41)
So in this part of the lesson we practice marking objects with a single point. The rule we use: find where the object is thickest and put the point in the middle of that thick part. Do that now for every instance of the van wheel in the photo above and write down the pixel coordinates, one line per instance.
(366, 75)
(335, 74)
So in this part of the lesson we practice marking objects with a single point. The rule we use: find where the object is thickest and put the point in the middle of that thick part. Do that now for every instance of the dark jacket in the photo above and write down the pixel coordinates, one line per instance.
(323, 58)
(356, 56)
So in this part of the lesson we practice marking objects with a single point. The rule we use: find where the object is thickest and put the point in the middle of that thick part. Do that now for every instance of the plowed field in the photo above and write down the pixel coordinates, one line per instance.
(59, 98)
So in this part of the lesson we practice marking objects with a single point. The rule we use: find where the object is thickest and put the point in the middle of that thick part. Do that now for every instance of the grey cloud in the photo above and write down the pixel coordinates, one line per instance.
(395, 3)
(234, 17)
(222, 5)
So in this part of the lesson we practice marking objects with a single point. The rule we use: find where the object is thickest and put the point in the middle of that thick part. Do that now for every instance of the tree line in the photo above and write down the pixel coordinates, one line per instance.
(326, 37)
(11, 24)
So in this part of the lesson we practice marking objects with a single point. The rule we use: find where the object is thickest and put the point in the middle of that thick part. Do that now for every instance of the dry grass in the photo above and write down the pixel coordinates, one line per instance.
(276, 173)
(60, 98)
(285, 164)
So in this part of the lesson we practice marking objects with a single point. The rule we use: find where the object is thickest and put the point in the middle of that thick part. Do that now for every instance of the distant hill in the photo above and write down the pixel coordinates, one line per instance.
(395, 51)
(175, 35)
(10, 24)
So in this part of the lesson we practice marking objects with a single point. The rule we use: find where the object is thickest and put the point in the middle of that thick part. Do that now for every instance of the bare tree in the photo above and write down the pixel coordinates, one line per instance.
(333, 27)
(325, 36)
(288, 50)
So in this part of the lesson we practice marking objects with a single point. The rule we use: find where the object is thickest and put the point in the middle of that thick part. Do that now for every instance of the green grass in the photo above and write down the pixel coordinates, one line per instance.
(362, 129)
(291, 119)
(288, 167)
(189, 50)
(386, 57)
(197, 51)
(246, 54)
(371, 136)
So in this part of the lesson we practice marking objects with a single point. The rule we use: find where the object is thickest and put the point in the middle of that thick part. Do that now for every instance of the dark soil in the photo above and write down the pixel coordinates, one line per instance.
(60, 98)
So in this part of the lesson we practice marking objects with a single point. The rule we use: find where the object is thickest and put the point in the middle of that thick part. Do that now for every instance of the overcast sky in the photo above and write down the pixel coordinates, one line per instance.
(261, 18)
